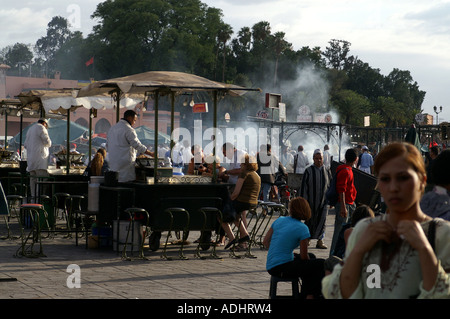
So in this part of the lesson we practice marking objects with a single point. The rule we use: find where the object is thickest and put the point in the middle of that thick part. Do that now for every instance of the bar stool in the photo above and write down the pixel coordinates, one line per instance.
(31, 216)
(20, 189)
(133, 213)
(60, 201)
(177, 225)
(211, 215)
(238, 240)
(272, 209)
(274, 280)
(74, 209)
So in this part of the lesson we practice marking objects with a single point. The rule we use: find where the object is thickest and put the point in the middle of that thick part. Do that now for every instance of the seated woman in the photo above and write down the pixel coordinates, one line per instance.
(244, 197)
(98, 166)
(285, 235)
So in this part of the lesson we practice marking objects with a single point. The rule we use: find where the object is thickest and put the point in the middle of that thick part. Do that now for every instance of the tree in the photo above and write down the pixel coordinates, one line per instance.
(46, 47)
(337, 53)
(18, 57)
(280, 45)
(140, 35)
(223, 37)
(351, 107)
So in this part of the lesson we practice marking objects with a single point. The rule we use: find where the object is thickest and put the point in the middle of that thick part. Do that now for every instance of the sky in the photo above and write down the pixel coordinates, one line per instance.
(411, 35)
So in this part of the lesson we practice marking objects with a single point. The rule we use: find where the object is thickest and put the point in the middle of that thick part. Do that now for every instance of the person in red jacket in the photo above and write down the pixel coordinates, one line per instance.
(346, 190)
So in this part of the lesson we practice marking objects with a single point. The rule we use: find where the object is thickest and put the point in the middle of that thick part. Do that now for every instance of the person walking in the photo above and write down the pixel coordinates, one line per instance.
(436, 203)
(268, 167)
(346, 190)
(366, 162)
(315, 183)
(300, 163)
(123, 144)
(400, 255)
(37, 144)
(327, 158)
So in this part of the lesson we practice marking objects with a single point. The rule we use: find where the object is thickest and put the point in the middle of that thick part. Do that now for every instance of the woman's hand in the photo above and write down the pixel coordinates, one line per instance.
(412, 232)
(374, 232)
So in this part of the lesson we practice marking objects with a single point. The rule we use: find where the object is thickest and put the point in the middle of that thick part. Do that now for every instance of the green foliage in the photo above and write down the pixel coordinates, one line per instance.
(134, 36)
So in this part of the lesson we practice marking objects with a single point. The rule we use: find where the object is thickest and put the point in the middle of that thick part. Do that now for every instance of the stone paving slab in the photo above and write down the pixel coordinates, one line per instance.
(104, 275)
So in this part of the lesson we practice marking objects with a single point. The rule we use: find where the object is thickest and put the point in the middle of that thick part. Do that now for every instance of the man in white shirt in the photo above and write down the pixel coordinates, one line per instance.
(300, 161)
(300, 164)
(287, 159)
(326, 156)
(37, 144)
(123, 144)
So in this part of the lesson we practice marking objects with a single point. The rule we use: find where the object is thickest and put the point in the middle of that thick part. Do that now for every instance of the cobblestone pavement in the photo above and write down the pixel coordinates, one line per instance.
(104, 275)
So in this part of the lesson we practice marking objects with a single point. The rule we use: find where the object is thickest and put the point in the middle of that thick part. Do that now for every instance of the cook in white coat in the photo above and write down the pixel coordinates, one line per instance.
(37, 144)
(123, 144)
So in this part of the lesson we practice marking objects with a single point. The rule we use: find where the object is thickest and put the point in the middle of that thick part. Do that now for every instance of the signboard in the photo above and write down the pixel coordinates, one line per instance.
(282, 112)
(304, 114)
(262, 114)
(323, 118)
(200, 108)
(273, 100)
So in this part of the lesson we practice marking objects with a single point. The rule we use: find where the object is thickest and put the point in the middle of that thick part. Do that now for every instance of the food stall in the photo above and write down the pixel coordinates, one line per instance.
(157, 184)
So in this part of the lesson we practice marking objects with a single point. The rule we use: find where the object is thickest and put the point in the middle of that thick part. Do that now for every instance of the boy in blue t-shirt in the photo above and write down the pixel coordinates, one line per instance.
(286, 234)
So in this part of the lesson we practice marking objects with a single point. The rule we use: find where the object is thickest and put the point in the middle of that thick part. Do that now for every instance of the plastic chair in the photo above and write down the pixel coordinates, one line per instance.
(274, 280)
(133, 212)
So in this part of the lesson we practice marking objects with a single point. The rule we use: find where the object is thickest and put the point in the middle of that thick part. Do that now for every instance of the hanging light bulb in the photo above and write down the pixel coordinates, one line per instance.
(192, 102)
(19, 113)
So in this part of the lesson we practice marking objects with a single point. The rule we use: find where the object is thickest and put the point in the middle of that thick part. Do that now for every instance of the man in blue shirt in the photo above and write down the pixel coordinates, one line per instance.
(366, 161)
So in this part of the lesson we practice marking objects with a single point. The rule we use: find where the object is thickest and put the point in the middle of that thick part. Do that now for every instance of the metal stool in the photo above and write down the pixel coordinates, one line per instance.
(14, 202)
(177, 212)
(211, 215)
(30, 215)
(60, 201)
(74, 210)
(238, 240)
(274, 280)
(133, 212)
(20, 189)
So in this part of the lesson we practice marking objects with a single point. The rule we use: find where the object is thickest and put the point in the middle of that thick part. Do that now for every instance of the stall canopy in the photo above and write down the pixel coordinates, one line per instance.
(142, 83)
(152, 84)
(147, 136)
(57, 132)
(60, 100)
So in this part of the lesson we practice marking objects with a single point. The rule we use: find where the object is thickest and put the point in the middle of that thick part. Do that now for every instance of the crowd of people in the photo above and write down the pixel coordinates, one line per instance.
(402, 252)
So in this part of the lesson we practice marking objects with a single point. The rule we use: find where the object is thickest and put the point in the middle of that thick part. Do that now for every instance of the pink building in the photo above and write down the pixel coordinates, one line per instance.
(11, 86)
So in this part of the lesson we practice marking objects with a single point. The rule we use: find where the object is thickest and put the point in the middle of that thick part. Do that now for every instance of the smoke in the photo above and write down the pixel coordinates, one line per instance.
(310, 87)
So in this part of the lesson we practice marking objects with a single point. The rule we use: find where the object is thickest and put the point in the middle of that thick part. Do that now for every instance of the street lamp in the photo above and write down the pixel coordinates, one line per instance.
(437, 113)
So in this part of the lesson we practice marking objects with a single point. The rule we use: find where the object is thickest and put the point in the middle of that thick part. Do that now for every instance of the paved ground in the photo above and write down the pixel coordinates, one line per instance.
(104, 275)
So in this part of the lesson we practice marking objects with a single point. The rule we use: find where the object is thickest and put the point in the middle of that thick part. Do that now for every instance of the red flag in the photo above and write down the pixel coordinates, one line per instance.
(91, 61)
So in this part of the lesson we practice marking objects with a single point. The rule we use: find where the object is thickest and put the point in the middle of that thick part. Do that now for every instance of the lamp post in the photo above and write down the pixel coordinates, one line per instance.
(437, 113)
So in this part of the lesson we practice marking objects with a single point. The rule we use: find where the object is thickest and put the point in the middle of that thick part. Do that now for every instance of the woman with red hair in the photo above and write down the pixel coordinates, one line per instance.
(401, 254)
